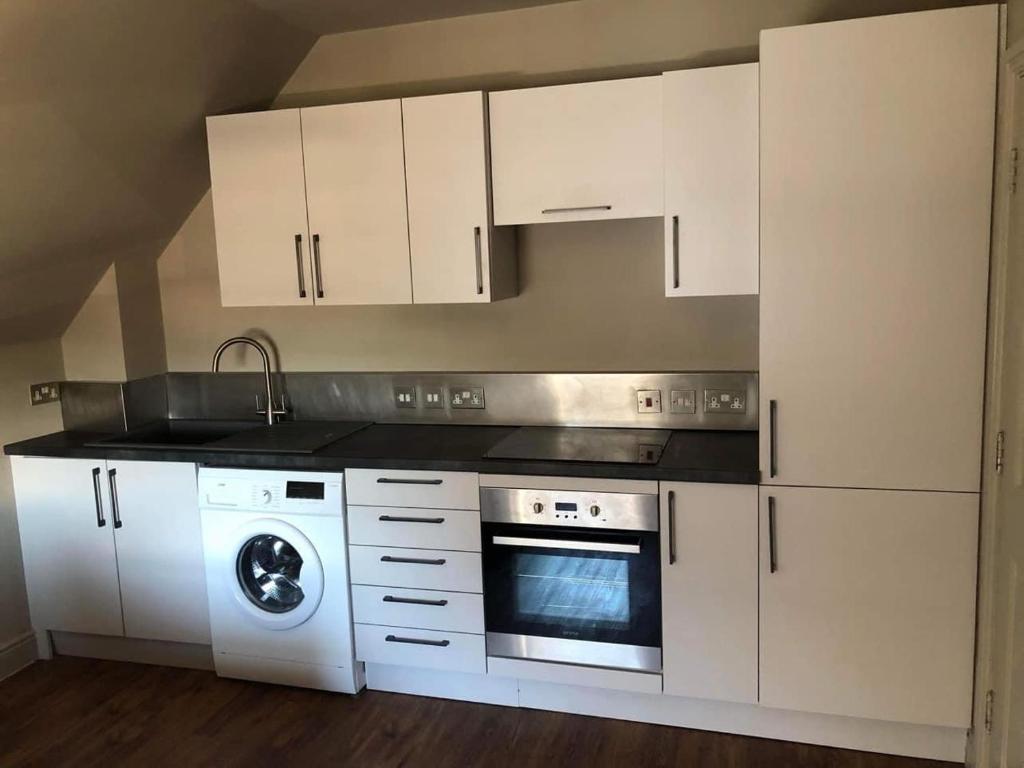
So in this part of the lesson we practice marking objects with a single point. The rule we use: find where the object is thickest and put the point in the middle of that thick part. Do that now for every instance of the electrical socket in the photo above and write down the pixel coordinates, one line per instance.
(648, 401)
(48, 392)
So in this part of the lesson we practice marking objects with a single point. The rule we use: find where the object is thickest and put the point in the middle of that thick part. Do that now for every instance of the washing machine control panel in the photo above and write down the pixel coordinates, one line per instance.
(272, 491)
(266, 496)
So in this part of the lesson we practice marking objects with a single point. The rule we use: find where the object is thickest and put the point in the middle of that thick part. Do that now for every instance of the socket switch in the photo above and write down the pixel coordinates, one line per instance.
(648, 401)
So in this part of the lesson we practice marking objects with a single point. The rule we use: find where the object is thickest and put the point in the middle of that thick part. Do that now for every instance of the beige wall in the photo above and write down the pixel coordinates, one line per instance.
(20, 366)
(1015, 22)
(93, 345)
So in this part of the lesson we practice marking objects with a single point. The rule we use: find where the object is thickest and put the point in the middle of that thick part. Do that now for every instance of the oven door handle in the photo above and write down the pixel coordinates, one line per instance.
(590, 546)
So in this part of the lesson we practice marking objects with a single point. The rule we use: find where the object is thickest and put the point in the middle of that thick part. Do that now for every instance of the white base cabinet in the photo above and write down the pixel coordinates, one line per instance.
(112, 548)
(709, 590)
(867, 603)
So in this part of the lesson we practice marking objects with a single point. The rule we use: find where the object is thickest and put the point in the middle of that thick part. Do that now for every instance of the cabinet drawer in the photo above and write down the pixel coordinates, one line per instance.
(399, 607)
(410, 527)
(416, 568)
(450, 651)
(412, 488)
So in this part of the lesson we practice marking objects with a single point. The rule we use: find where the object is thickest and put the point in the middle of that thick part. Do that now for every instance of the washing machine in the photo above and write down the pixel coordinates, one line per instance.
(277, 577)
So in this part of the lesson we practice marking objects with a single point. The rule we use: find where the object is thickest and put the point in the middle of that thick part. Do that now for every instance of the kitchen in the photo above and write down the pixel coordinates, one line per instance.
(689, 418)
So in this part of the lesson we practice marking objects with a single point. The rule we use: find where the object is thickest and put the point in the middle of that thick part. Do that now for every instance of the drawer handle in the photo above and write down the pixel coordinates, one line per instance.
(404, 481)
(398, 519)
(577, 208)
(414, 601)
(413, 560)
(418, 641)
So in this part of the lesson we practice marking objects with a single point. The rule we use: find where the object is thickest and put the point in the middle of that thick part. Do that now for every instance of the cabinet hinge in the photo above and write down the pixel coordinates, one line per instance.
(1000, 451)
(989, 702)
(1014, 169)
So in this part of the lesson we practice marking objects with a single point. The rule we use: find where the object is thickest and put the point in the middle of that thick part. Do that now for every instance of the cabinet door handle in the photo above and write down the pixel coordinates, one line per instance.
(413, 560)
(570, 209)
(418, 641)
(671, 527)
(115, 505)
(398, 519)
(414, 601)
(407, 481)
(101, 521)
(773, 563)
(479, 262)
(298, 266)
(675, 251)
(773, 462)
(317, 271)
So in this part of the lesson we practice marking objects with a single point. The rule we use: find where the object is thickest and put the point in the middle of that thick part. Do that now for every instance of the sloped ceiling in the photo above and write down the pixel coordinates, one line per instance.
(102, 139)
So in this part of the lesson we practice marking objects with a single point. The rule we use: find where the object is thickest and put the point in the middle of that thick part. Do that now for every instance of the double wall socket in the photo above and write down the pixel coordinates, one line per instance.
(725, 401)
(44, 393)
(406, 396)
(466, 397)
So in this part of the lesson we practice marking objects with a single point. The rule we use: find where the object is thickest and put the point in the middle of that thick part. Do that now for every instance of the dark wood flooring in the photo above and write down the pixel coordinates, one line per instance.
(80, 712)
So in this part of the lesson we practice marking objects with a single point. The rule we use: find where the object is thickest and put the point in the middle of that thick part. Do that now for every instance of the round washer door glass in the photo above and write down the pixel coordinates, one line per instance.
(270, 573)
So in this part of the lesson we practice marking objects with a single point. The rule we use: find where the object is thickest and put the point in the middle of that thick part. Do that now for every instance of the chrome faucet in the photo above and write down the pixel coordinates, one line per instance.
(271, 410)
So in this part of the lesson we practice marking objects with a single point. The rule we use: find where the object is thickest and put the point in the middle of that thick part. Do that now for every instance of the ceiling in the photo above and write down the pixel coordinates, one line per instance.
(326, 17)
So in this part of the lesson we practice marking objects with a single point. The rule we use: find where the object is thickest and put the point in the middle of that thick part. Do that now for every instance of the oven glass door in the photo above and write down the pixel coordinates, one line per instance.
(573, 584)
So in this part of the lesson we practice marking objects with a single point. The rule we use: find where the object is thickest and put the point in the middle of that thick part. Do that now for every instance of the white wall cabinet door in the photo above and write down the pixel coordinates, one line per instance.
(259, 208)
(355, 189)
(451, 239)
(577, 152)
(709, 590)
(876, 177)
(711, 181)
(868, 610)
(160, 551)
(67, 543)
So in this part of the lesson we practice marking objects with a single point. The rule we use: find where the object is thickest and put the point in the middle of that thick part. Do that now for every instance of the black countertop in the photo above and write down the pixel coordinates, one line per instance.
(690, 456)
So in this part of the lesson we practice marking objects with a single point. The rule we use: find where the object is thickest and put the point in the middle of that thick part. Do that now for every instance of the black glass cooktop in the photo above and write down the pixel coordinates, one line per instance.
(611, 446)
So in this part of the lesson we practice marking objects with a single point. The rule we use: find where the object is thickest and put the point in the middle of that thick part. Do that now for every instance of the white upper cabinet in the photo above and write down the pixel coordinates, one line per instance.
(709, 590)
(577, 152)
(259, 206)
(876, 179)
(711, 181)
(456, 256)
(867, 603)
(355, 191)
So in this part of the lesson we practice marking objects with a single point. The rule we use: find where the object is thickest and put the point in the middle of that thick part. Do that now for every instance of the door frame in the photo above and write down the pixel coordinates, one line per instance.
(1011, 70)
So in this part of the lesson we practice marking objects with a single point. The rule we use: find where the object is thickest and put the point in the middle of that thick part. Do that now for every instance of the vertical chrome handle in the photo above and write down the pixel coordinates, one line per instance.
(298, 266)
(317, 273)
(675, 251)
(115, 505)
(773, 563)
(479, 262)
(100, 520)
(671, 527)
(773, 462)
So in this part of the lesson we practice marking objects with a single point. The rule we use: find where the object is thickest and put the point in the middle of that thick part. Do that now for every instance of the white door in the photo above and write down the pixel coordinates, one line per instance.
(259, 209)
(709, 590)
(876, 175)
(67, 544)
(867, 603)
(446, 176)
(577, 152)
(355, 189)
(159, 550)
(711, 181)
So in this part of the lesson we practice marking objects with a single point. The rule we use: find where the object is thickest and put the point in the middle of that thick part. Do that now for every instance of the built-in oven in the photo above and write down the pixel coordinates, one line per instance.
(572, 577)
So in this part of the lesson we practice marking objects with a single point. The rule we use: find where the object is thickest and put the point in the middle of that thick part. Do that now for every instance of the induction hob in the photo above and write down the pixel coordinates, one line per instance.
(592, 444)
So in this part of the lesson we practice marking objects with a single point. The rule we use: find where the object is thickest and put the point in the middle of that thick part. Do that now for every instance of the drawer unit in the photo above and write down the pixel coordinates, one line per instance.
(457, 529)
(450, 651)
(402, 607)
(416, 568)
(412, 488)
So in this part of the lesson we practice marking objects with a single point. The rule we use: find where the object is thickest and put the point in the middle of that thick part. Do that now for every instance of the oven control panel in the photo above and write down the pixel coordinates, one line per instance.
(582, 509)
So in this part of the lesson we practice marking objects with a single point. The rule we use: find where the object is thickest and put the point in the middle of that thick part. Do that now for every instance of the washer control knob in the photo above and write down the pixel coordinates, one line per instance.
(267, 497)
(595, 510)
(537, 507)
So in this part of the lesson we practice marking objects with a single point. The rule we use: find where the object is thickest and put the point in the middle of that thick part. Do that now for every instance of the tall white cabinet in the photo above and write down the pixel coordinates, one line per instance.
(876, 172)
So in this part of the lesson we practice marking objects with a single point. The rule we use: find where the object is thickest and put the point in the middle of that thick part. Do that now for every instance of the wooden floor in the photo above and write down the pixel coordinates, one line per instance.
(71, 712)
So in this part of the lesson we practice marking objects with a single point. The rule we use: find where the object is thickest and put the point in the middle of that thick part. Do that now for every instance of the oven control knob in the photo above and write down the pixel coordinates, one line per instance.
(595, 511)
(537, 507)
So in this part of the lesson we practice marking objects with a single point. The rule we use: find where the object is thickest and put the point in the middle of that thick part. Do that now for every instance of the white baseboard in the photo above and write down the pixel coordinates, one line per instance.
(17, 654)
(136, 651)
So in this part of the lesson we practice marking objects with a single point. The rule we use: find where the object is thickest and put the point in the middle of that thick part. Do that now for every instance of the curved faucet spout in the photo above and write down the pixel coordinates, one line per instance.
(271, 410)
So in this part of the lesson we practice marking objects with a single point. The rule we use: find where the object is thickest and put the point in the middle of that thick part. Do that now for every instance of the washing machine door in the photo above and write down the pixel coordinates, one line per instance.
(275, 574)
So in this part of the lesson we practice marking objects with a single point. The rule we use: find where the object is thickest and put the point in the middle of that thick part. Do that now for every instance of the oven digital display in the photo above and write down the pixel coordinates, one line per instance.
(565, 506)
(300, 490)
